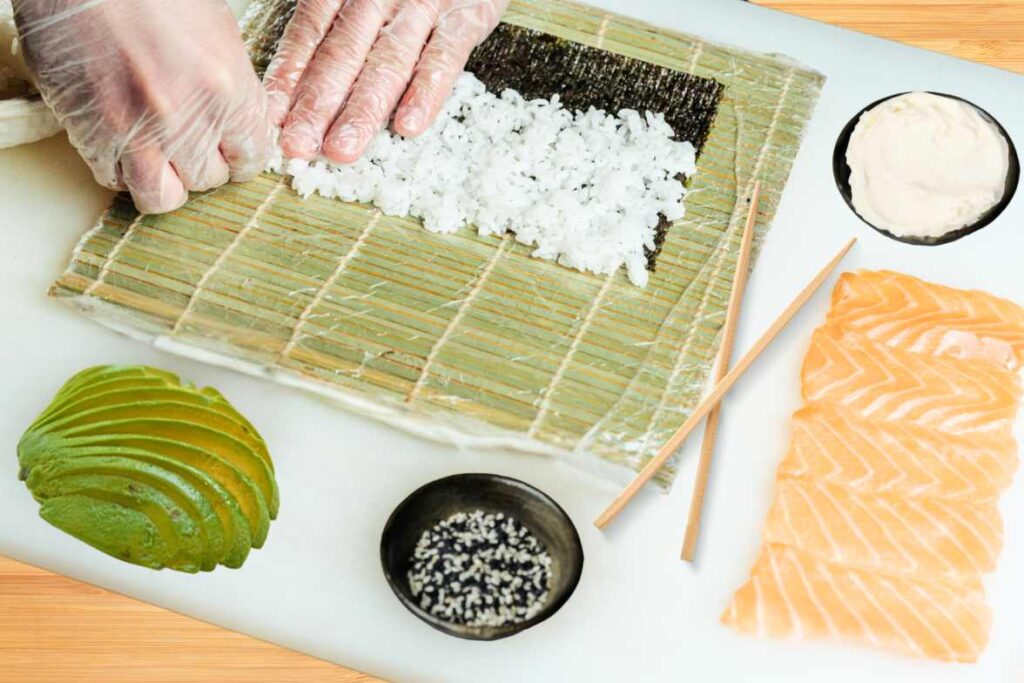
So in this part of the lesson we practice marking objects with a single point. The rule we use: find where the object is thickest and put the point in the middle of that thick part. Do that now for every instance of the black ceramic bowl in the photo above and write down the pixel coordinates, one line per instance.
(841, 171)
(438, 500)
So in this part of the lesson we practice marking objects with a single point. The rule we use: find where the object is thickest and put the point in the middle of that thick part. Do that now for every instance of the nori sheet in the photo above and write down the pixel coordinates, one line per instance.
(540, 65)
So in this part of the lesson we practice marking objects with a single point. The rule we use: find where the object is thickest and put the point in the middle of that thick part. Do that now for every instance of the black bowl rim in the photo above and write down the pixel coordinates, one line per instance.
(486, 633)
(841, 173)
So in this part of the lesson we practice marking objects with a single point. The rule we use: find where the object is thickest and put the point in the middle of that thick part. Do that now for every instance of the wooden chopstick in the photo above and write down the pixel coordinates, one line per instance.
(719, 391)
(732, 316)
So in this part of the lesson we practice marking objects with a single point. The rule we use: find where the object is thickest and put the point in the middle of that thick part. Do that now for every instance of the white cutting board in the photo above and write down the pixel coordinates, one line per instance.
(639, 613)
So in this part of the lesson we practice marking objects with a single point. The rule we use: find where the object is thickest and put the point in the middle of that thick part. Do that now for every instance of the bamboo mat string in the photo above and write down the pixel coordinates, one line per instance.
(592, 309)
(250, 225)
(457, 318)
(577, 339)
(602, 30)
(698, 50)
(321, 293)
(114, 253)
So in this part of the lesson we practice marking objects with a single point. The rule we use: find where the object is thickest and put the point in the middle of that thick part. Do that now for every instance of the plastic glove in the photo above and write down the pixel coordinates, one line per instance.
(343, 66)
(158, 97)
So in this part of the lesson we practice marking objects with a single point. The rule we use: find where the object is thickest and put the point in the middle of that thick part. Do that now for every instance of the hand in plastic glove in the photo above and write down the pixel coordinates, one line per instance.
(159, 97)
(343, 66)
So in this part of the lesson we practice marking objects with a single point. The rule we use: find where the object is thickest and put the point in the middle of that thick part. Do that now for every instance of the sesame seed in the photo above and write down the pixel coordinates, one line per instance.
(480, 569)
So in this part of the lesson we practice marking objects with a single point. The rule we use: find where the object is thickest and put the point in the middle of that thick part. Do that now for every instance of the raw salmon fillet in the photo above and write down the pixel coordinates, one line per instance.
(913, 537)
(885, 515)
(794, 596)
(913, 315)
(877, 382)
(897, 458)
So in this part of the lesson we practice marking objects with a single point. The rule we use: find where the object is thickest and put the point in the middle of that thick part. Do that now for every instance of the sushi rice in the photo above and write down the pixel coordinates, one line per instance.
(584, 188)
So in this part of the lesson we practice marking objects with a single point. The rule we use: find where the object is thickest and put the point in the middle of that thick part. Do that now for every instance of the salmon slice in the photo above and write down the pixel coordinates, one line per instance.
(910, 314)
(869, 380)
(920, 538)
(794, 595)
(897, 458)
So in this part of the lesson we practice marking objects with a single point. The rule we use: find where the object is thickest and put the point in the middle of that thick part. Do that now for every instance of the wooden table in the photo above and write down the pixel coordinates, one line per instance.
(54, 629)
(990, 32)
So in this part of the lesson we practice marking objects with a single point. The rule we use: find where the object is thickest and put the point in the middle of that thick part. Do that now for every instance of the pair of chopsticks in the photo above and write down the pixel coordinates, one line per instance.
(725, 380)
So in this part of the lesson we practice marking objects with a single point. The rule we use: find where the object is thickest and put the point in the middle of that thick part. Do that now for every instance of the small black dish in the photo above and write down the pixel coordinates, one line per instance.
(841, 172)
(438, 500)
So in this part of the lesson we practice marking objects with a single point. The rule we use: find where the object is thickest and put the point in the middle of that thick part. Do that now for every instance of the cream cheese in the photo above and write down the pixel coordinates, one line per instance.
(924, 165)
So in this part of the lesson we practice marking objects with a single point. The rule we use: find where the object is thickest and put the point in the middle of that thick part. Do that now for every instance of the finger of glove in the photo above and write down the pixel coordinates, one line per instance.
(440, 66)
(153, 183)
(304, 33)
(105, 171)
(329, 78)
(247, 149)
(384, 78)
(204, 173)
(248, 140)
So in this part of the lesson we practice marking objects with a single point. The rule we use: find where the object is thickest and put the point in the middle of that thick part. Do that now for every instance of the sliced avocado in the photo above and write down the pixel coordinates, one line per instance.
(188, 475)
(200, 472)
(110, 525)
(229, 448)
(186, 410)
(173, 544)
(99, 374)
(83, 397)
(188, 504)
(242, 489)
(219, 397)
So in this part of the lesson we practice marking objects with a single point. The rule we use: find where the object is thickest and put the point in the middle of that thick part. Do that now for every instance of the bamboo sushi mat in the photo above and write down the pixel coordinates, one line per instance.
(459, 337)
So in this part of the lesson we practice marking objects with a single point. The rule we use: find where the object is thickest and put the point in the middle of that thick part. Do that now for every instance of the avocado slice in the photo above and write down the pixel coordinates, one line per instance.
(200, 470)
(175, 538)
(184, 408)
(88, 396)
(219, 398)
(196, 434)
(112, 525)
(83, 383)
(204, 548)
(100, 373)
(242, 489)
(111, 394)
